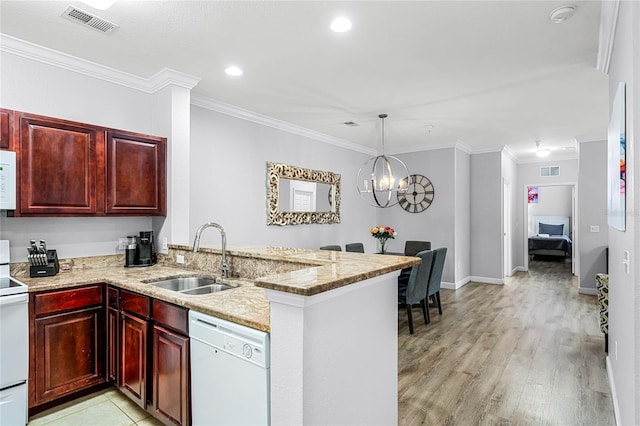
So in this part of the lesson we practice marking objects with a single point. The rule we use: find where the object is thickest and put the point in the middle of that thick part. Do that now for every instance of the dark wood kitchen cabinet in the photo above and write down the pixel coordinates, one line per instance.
(68, 168)
(133, 343)
(6, 128)
(148, 354)
(66, 337)
(171, 402)
(136, 174)
(59, 163)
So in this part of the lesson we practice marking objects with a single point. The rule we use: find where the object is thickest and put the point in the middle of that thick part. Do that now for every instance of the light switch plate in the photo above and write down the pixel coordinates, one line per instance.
(122, 243)
(594, 228)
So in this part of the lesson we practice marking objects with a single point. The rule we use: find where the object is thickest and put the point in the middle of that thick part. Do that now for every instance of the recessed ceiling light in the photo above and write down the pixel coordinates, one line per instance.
(99, 4)
(562, 13)
(341, 25)
(233, 71)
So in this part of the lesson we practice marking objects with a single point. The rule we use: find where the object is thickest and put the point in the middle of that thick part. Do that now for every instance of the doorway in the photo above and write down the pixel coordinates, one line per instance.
(551, 204)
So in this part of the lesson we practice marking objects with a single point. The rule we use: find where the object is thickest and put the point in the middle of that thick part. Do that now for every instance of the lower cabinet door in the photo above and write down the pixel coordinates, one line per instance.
(171, 388)
(133, 359)
(69, 352)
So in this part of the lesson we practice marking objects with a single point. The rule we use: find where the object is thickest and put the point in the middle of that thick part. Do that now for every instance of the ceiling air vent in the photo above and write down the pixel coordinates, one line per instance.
(85, 18)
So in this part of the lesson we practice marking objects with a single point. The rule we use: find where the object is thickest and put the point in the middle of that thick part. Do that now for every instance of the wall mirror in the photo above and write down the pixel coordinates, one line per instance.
(297, 196)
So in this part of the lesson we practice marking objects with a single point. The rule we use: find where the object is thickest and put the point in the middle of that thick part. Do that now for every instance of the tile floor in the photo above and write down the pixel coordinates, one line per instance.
(107, 407)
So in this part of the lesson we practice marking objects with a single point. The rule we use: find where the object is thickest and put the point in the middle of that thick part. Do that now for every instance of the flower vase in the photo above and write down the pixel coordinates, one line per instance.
(382, 249)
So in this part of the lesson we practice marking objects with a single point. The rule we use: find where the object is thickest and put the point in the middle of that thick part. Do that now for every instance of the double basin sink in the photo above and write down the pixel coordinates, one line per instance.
(192, 285)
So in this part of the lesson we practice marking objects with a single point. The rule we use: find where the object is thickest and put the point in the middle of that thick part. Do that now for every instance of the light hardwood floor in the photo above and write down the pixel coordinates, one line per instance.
(528, 352)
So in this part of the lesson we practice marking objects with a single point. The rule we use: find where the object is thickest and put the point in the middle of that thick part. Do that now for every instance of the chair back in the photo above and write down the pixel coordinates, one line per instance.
(354, 247)
(435, 278)
(412, 248)
(331, 247)
(419, 278)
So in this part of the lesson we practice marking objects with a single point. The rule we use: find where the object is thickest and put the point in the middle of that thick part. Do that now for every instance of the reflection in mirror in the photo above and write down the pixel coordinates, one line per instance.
(297, 196)
(303, 196)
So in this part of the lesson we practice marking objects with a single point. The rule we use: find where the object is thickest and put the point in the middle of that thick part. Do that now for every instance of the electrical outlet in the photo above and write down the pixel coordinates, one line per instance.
(180, 259)
(165, 244)
(594, 228)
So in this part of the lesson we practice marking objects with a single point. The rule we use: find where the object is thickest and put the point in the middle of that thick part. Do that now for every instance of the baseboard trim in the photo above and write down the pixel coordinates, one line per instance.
(614, 395)
(518, 269)
(486, 280)
(588, 290)
(456, 285)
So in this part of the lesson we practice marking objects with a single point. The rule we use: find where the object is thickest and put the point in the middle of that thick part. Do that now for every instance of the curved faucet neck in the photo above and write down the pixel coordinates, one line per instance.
(196, 244)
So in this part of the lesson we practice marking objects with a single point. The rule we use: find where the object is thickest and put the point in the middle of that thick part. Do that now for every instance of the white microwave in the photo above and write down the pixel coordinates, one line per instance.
(7, 180)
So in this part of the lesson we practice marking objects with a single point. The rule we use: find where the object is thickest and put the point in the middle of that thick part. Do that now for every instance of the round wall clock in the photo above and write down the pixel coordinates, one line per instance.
(419, 195)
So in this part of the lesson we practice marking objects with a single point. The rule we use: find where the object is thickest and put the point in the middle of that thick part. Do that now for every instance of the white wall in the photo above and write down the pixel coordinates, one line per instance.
(509, 178)
(486, 217)
(435, 224)
(624, 288)
(592, 205)
(31, 86)
(229, 182)
(462, 218)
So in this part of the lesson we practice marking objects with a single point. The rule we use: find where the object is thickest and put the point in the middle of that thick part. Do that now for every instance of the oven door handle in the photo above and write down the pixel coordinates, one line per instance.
(14, 299)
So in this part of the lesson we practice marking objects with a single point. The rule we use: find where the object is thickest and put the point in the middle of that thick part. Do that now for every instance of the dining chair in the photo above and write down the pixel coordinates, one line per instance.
(435, 279)
(331, 247)
(412, 248)
(354, 247)
(416, 287)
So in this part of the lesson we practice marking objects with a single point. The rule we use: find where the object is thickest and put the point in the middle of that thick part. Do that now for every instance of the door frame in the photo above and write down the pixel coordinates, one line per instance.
(575, 221)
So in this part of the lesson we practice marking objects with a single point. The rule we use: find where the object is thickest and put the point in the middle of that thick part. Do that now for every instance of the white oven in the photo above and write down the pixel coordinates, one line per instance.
(14, 344)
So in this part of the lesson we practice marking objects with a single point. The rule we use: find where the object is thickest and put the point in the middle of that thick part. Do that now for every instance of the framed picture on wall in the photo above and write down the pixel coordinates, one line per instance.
(532, 194)
(616, 162)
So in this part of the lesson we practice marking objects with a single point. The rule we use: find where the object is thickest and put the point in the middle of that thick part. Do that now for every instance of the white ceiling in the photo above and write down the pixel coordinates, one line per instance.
(482, 73)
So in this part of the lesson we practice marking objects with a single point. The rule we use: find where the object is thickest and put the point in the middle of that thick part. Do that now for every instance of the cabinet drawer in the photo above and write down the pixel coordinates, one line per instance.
(57, 301)
(134, 303)
(171, 316)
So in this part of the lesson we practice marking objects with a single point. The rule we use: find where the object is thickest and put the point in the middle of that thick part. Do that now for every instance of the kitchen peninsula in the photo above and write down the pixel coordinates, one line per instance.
(332, 319)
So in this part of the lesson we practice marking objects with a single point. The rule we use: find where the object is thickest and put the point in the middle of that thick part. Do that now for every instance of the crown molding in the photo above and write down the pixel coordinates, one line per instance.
(244, 114)
(62, 60)
(608, 23)
(509, 153)
(591, 138)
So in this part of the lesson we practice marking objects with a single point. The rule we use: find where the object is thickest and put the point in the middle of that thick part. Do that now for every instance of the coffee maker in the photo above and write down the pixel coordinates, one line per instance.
(141, 250)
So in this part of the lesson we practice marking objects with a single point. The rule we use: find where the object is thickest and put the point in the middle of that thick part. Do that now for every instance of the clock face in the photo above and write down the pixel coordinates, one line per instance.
(418, 196)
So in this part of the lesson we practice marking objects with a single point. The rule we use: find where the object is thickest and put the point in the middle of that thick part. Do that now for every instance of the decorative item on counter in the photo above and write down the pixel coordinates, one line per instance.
(42, 262)
(382, 234)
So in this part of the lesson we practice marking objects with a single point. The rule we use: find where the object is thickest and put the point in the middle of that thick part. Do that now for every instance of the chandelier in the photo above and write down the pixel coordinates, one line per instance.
(382, 178)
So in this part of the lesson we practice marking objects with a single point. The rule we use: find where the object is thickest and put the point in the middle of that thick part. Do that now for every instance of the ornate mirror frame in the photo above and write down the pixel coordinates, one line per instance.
(276, 171)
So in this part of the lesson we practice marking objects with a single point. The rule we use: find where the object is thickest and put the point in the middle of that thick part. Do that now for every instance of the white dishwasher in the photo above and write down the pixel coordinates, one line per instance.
(229, 372)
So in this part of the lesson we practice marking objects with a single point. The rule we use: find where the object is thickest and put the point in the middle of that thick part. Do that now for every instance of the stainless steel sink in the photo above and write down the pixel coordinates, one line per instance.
(192, 285)
(214, 288)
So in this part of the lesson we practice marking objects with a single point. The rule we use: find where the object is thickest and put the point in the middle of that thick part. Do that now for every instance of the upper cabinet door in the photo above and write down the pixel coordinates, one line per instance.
(136, 174)
(6, 122)
(58, 164)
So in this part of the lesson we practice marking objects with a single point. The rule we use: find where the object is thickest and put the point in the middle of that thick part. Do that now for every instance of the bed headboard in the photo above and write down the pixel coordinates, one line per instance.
(553, 220)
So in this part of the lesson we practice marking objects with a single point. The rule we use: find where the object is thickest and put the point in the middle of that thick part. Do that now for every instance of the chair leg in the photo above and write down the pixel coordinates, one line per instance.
(425, 310)
(438, 302)
(409, 318)
(606, 342)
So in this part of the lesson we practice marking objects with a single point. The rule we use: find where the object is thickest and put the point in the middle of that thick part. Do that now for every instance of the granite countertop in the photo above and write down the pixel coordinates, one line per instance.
(247, 303)
(321, 270)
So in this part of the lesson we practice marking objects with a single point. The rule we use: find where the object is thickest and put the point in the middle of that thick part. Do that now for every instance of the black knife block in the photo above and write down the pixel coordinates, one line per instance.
(50, 269)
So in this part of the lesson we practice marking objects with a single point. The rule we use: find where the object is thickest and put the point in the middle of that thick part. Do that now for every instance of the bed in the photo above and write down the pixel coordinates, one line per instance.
(551, 236)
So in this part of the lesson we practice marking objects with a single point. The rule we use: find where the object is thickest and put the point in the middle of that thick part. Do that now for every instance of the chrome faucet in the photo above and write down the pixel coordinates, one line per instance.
(196, 244)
